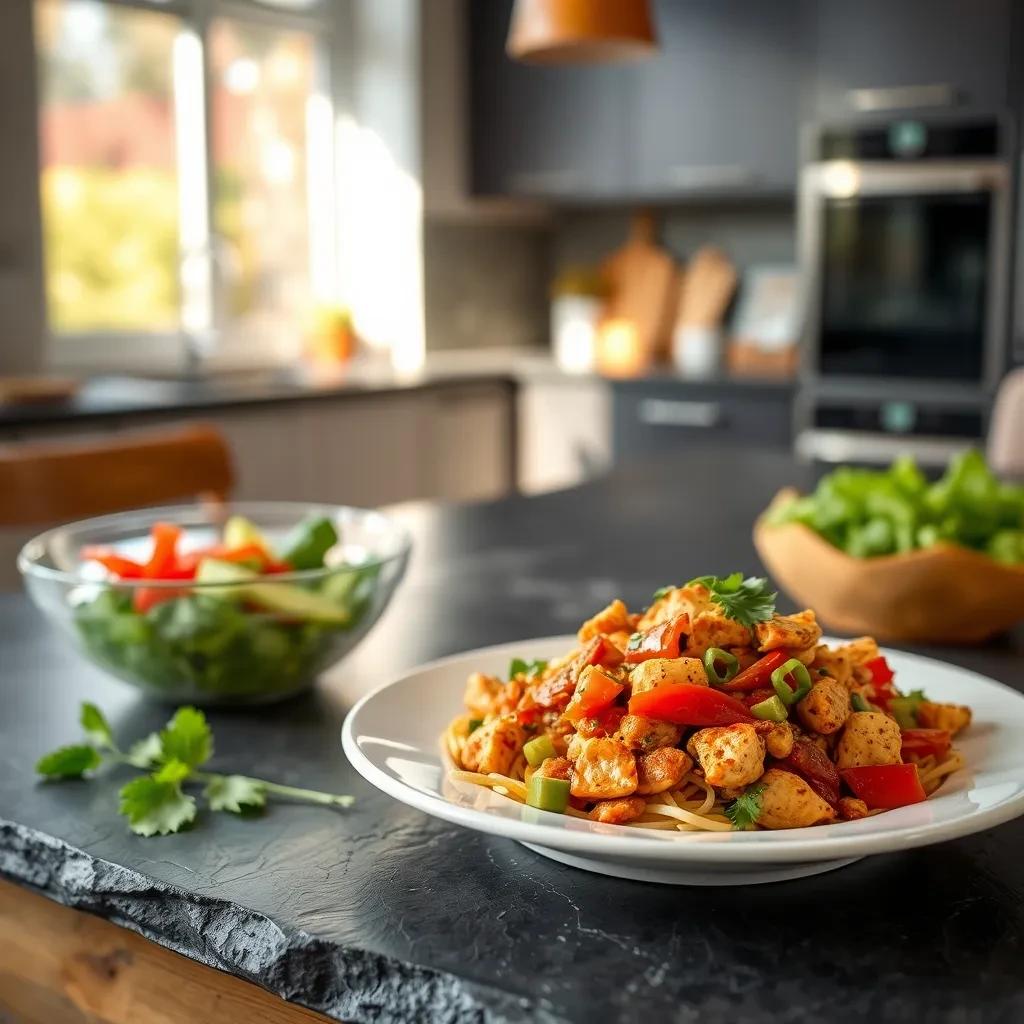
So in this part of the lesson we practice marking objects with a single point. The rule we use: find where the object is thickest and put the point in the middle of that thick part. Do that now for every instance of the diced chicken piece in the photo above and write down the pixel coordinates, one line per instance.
(649, 675)
(826, 708)
(613, 619)
(861, 650)
(778, 737)
(690, 601)
(661, 769)
(556, 768)
(575, 747)
(850, 808)
(639, 733)
(619, 639)
(604, 769)
(494, 746)
(731, 755)
(797, 632)
(713, 629)
(952, 717)
(788, 802)
(488, 695)
(869, 737)
(619, 812)
(835, 661)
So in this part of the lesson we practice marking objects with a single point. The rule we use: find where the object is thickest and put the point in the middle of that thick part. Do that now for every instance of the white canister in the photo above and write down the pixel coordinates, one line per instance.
(697, 351)
(574, 320)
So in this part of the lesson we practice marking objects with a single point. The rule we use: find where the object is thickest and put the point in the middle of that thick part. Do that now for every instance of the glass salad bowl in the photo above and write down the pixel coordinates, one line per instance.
(244, 603)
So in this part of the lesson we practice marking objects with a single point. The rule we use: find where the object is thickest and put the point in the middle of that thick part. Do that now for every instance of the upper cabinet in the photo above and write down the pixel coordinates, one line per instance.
(718, 108)
(558, 132)
(875, 55)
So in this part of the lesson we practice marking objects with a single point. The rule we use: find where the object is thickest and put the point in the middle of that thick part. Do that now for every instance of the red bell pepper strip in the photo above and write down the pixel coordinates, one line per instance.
(880, 671)
(922, 742)
(661, 641)
(689, 704)
(757, 676)
(811, 763)
(164, 558)
(883, 786)
(595, 692)
(602, 652)
(114, 563)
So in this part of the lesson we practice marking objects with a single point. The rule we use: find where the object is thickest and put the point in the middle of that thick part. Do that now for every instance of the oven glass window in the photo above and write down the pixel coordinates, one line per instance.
(904, 286)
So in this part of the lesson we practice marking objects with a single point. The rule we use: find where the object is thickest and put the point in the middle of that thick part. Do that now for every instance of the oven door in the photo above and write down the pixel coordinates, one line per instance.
(906, 267)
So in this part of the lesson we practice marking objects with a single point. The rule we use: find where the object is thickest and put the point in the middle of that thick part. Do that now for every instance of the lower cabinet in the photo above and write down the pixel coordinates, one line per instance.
(652, 417)
(449, 442)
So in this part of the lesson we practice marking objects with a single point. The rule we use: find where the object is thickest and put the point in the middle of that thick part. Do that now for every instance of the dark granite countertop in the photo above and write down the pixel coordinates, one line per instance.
(113, 396)
(382, 914)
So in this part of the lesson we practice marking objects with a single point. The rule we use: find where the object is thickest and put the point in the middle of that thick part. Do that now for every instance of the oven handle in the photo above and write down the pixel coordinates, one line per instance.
(842, 179)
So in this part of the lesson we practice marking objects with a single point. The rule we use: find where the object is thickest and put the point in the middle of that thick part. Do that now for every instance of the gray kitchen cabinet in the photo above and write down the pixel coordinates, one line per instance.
(878, 54)
(558, 132)
(717, 108)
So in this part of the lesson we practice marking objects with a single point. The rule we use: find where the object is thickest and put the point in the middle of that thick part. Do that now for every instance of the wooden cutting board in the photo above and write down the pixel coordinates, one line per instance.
(642, 286)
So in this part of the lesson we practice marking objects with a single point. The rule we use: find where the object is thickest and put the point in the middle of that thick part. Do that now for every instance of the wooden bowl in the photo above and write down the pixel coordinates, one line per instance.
(944, 594)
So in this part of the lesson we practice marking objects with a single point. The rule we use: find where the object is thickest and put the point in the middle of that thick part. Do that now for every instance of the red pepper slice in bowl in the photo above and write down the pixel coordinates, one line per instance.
(689, 704)
(811, 763)
(885, 786)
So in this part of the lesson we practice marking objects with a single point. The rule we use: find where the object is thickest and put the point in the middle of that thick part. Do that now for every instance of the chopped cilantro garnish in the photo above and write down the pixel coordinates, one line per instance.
(530, 669)
(744, 811)
(748, 601)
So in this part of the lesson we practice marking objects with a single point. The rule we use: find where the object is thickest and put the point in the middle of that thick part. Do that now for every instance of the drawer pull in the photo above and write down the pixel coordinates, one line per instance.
(662, 412)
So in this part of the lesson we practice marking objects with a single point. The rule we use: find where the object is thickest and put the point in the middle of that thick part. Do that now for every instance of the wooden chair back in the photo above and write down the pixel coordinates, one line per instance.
(47, 482)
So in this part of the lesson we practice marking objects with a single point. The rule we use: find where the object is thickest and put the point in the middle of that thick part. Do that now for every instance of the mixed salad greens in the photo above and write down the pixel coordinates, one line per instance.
(880, 512)
(238, 634)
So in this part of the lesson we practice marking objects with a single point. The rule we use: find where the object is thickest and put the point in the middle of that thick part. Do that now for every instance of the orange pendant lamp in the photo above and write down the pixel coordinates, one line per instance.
(580, 31)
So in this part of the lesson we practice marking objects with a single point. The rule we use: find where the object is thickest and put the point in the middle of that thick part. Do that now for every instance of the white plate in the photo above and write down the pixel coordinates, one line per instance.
(392, 738)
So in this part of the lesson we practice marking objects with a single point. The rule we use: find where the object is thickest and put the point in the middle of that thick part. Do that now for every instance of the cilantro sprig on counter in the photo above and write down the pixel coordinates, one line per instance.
(748, 601)
(744, 811)
(156, 803)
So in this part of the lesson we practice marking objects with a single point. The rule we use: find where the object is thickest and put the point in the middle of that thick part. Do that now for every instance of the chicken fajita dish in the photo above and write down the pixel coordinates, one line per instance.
(708, 711)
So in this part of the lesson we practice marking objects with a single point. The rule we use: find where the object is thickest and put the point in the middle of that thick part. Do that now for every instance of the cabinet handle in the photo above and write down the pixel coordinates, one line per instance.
(661, 412)
(904, 97)
(710, 175)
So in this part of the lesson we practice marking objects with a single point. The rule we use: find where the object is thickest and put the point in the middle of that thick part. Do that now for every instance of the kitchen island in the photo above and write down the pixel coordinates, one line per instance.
(379, 913)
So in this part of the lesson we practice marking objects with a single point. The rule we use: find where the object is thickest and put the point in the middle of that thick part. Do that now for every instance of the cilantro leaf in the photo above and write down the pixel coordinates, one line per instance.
(747, 601)
(530, 669)
(744, 811)
(96, 728)
(69, 762)
(155, 805)
(235, 793)
(145, 753)
(187, 738)
(661, 592)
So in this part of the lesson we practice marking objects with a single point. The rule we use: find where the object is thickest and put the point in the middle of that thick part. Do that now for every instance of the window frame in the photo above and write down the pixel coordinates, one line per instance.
(180, 351)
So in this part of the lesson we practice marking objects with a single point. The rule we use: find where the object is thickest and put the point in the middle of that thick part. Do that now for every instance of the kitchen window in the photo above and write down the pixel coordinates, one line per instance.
(186, 180)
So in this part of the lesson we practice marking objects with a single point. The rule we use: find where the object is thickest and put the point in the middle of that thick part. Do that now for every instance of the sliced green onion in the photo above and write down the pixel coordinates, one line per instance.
(858, 703)
(547, 794)
(798, 670)
(904, 710)
(715, 656)
(771, 710)
(474, 724)
(538, 750)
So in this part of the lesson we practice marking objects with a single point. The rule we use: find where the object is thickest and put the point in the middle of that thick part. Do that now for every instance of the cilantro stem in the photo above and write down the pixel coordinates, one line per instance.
(310, 796)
